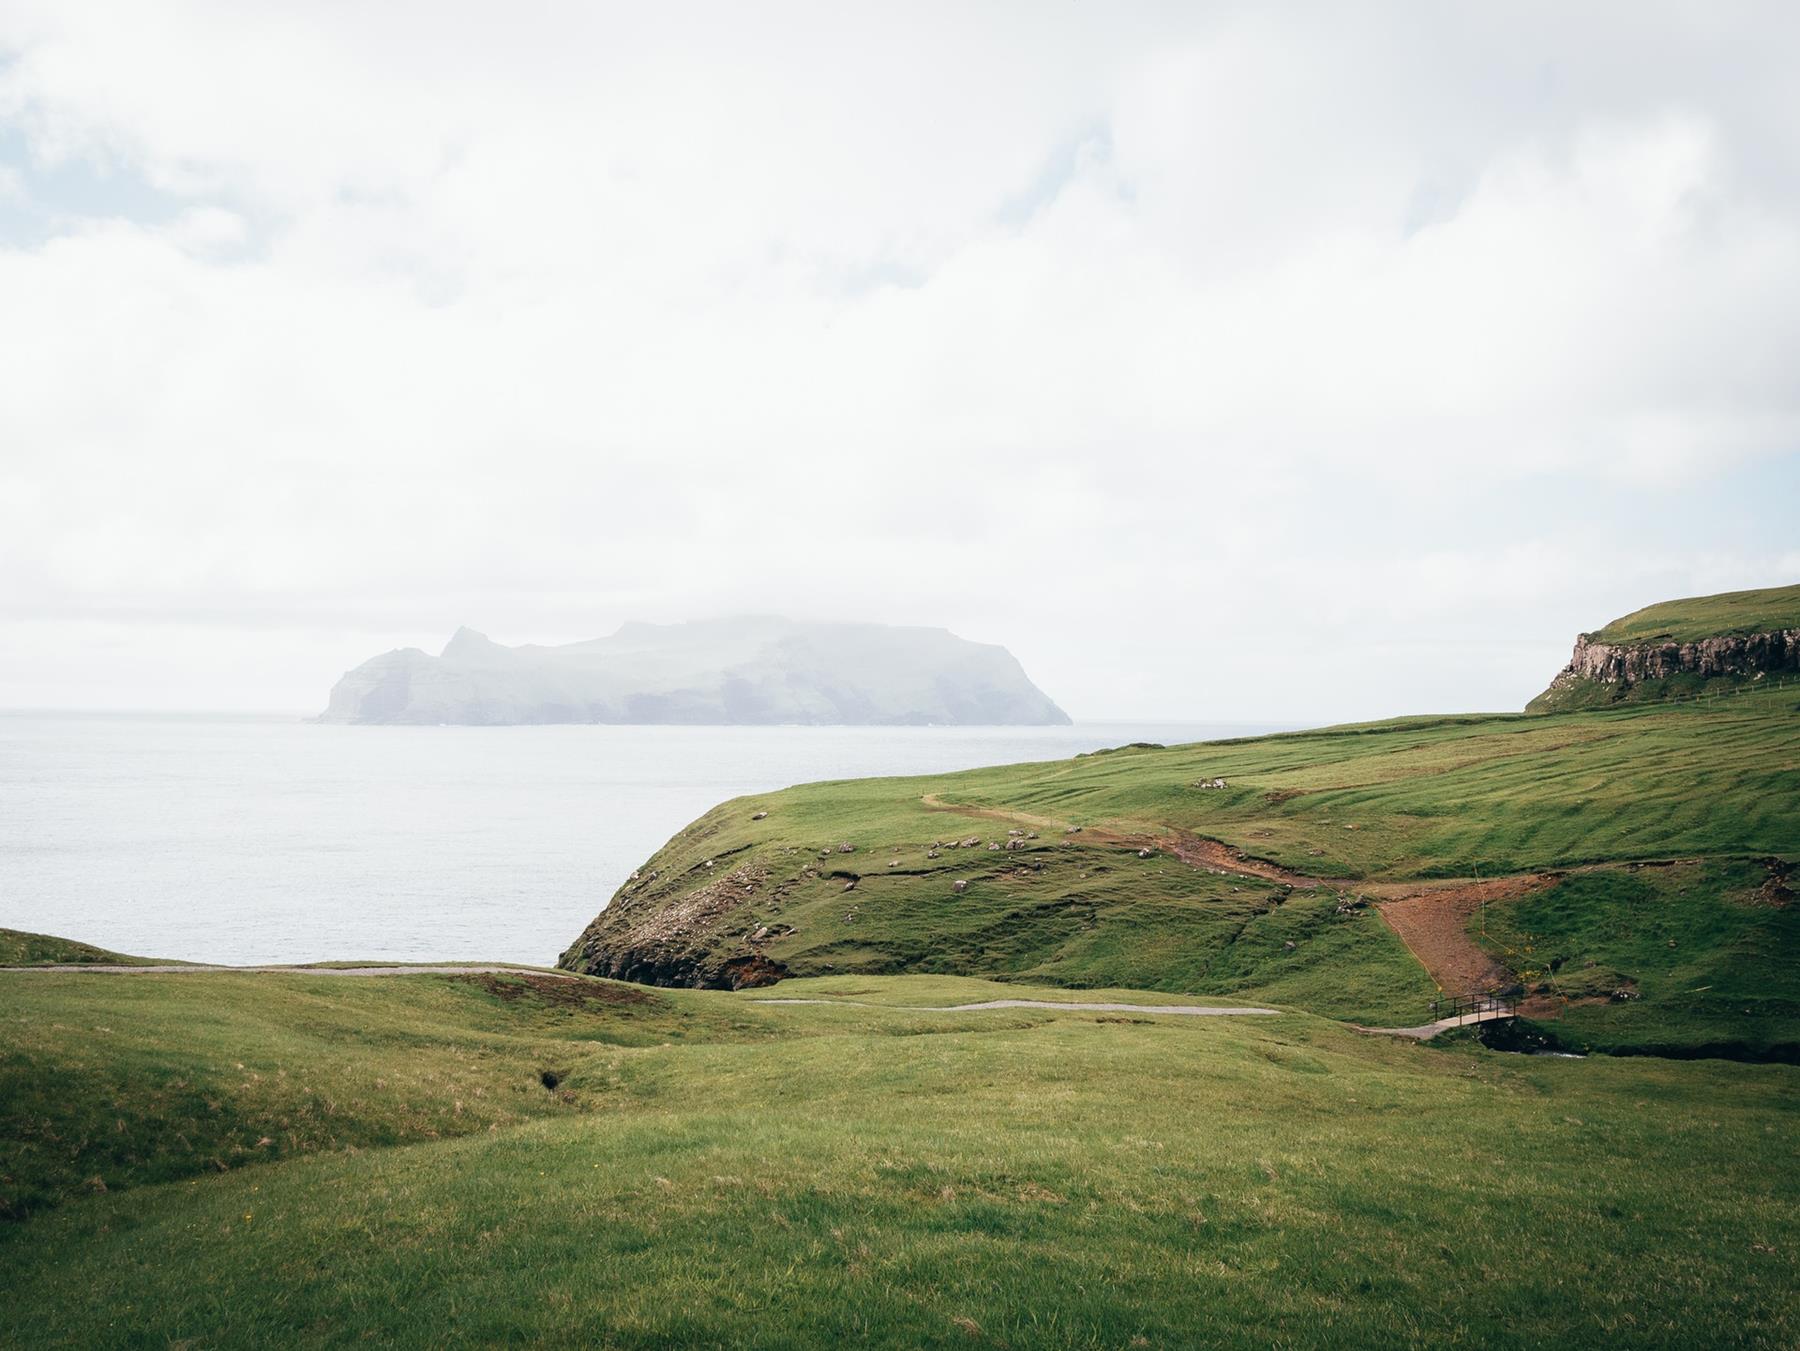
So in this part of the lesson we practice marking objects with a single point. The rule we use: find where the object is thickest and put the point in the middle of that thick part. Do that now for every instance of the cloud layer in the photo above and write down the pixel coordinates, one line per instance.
(1220, 363)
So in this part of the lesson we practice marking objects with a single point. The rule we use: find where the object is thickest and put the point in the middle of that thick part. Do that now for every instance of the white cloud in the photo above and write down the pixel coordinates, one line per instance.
(1183, 327)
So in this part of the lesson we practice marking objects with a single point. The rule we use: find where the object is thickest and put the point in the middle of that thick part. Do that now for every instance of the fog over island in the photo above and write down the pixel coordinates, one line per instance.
(754, 669)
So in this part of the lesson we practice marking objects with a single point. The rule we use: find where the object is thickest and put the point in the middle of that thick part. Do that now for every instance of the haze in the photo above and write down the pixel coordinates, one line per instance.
(1218, 363)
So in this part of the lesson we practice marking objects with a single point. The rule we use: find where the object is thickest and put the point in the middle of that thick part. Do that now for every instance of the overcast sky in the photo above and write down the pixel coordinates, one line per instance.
(1223, 364)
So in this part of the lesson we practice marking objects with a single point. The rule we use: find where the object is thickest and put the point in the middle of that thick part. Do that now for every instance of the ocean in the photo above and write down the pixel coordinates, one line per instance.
(255, 838)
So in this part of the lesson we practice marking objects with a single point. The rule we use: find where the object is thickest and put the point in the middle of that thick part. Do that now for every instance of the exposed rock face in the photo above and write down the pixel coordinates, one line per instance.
(1604, 672)
(671, 932)
(755, 670)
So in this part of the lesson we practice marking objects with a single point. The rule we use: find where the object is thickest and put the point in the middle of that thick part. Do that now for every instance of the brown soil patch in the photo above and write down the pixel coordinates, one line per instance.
(1196, 851)
(1430, 918)
(1434, 925)
(564, 991)
(1199, 852)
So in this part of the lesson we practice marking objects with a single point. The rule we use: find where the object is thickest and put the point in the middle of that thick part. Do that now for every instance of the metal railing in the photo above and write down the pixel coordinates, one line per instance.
(1465, 1005)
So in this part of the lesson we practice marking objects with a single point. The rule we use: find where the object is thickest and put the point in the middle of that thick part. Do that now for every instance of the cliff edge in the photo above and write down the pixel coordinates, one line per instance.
(1681, 648)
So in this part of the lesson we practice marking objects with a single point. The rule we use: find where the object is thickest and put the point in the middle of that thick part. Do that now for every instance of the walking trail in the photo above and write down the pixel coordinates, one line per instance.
(1191, 1010)
(1430, 918)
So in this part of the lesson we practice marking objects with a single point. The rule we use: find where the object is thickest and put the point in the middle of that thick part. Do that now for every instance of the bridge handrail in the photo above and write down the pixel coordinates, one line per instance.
(1462, 1005)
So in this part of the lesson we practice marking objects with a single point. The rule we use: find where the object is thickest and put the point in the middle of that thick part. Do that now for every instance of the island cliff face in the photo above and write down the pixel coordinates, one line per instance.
(1617, 665)
(732, 671)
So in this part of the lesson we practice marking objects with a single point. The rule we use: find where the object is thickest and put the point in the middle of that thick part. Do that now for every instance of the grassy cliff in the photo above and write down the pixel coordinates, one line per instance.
(18, 948)
(1697, 617)
(1683, 649)
(1135, 868)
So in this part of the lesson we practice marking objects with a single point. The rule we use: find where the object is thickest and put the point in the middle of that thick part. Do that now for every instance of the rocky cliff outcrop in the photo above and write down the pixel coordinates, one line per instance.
(1602, 673)
(679, 930)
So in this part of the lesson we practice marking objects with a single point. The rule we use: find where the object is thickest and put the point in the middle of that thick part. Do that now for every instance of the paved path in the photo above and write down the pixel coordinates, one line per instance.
(473, 969)
(1190, 1010)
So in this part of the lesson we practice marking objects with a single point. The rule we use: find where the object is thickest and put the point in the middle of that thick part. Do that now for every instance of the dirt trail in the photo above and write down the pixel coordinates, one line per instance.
(1194, 850)
(1191, 1010)
(1431, 918)
(1199, 852)
(1433, 922)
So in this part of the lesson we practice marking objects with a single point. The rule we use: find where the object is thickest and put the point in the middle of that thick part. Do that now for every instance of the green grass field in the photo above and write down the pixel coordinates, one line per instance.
(1424, 798)
(1696, 617)
(236, 1159)
(714, 1171)
(18, 948)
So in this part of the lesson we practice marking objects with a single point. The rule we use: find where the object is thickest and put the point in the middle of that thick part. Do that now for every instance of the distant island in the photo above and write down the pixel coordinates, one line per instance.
(751, 670)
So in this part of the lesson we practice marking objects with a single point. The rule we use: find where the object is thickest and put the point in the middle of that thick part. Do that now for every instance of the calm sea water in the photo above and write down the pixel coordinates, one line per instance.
(269, 839)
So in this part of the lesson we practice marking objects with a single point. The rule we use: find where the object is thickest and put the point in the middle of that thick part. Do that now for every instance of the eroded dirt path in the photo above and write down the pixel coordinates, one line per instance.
(1433, 922)
(1197, 851)
(1430, 918)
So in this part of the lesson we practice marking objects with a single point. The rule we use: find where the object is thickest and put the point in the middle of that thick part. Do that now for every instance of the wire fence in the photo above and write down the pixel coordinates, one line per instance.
(1745, 686)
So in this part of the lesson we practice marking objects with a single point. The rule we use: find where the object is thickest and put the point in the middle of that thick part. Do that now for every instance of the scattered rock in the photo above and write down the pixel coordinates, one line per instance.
(846, 848)
(760, 816)
(959, 885)
(1146, 853)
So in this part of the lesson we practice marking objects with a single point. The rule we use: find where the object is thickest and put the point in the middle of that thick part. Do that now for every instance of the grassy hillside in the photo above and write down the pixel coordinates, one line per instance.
(1697, 617)
(18, 948)
(1366, 808)
(109, 1082)
(225, 1158)
(715, 1171)
(1682, 959)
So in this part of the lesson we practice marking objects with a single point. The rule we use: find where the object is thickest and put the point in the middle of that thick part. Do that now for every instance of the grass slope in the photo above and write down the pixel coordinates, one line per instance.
(116, 1081)
(813, 1176)
(1697, 617)
(1686, 959)
(18, 948)
(1413, 799)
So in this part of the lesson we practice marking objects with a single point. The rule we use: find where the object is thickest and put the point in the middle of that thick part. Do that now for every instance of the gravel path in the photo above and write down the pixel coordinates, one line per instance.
(103, 969)
(1190, 1010)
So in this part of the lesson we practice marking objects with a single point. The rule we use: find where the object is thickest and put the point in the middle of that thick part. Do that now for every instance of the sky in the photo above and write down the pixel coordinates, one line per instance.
(1224, 362)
